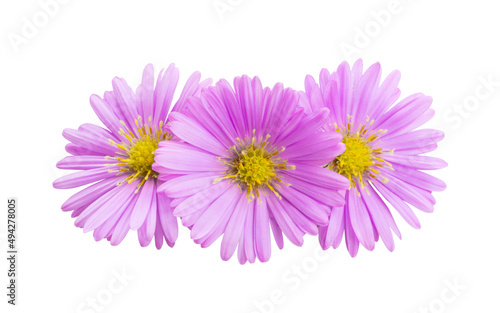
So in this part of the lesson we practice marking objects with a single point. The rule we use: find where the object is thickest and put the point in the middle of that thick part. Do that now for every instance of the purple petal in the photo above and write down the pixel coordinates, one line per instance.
(310, 124)
(144, 204)
(73, 149)
(418, 179)
(110, 207)
(127, 102)
(164, 92)
(122, 227)
(202, 199)
(319, 176)
(381, 217)
(363, 94)
(414, 139)
(91, 142)
(234, 228)
(186, 158)
(105, 113)
(420, 162)
(403, 209)
(277, 233)
(386, 95)
(248, 234)
(324, 195)
(291, 231)
(187, 185)
(108, 227)
(334, 228)
(88, 195)
(147, 230)
(190, 89)
(83, 178)
(351, 240)
(167, 218)
(146, 93)
(315, 211)
(262, 231)
(208, 220)
(191, 132)
(319, 148)
(83, 162)
(417, 197)
(360, 220)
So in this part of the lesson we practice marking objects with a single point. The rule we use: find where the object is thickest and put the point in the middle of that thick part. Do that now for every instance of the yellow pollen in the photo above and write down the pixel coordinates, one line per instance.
(356, 159)
(139, 149)
(360, 160)
(255, 166)
(142, 156)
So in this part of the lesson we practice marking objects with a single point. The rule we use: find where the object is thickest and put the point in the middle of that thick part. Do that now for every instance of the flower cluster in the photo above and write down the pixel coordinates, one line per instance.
(246, 162)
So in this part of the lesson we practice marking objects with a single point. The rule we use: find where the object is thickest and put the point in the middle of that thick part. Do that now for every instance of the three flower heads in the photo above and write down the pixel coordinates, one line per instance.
(246, 162)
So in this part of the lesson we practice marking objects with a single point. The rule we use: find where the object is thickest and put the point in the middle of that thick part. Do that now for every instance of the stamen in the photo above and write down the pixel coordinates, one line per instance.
(359, 161)
(253, 165)
(139, 152)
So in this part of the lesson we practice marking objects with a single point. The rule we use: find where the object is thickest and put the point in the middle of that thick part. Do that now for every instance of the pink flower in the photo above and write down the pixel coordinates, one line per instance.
(118, 160)
(250, 160)
(382, 161)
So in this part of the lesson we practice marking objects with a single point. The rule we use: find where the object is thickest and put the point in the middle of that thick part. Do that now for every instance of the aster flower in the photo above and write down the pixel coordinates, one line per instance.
(117, 161)
(382, 160)
(250, 161)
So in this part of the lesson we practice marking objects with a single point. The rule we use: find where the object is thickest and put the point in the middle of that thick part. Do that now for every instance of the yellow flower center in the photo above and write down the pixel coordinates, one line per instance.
(139, 149)
(361, 160)
(254, 166)
(141, 156)
(356, 159)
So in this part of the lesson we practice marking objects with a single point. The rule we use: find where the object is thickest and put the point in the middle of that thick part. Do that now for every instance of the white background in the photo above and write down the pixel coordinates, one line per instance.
(442, 48)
